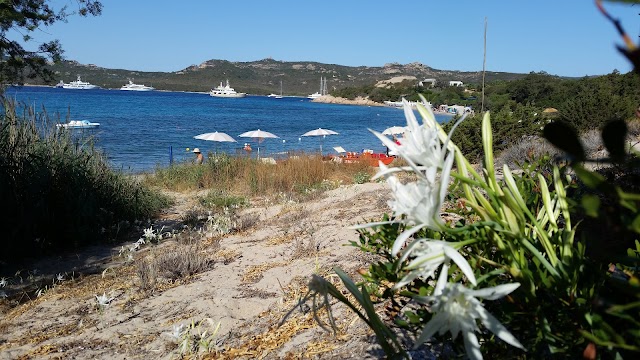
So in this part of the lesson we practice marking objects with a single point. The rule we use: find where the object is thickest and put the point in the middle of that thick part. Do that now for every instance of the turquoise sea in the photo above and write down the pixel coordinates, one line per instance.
(141, 130)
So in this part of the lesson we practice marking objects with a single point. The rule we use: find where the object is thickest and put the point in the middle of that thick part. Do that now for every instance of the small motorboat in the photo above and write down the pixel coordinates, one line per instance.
(78, 124)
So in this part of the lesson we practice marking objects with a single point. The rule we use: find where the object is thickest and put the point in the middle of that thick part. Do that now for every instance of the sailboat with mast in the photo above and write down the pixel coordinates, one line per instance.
(323, 89)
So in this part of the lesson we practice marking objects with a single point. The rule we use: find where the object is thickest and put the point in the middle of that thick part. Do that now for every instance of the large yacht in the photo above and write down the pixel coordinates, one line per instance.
(136, 87)
(226, 91)
(79, 84)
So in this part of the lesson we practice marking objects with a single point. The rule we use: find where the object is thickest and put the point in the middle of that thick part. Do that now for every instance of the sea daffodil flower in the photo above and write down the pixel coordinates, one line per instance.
(149, 234)
(428, 256)
(420, 144)
(420, 201)
(457, 310)
(103, 300)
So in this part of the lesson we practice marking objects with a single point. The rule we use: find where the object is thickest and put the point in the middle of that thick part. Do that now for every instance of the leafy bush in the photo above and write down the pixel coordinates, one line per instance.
(61, 193)
(361, 178)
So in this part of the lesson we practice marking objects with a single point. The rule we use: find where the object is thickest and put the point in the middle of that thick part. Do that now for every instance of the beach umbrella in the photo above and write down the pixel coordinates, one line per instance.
(320, 132)
(394, 130)
(260, 135)
(215, 136)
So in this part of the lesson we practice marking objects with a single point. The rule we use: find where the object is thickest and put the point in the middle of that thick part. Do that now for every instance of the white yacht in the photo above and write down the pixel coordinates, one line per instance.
(79, 84)
(79, 124)
(276, 96)
(323, 90)
(226, 91)
(136, 87)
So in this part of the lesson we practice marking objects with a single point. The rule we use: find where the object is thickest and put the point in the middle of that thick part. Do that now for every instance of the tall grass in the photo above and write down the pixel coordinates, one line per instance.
(60, 193)
(297, 174)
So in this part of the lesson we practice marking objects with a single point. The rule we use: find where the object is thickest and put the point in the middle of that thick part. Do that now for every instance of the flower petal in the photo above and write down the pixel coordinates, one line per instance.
(371, 224)
(442, 280)
(462, 263)
(471, 345)
(436, 323)
(445, 175)
(402, 238)
(406, 280)
(491, 323)
(496, 292)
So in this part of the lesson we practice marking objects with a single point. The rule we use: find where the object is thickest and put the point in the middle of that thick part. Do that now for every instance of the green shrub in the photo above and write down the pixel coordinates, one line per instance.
(361, 177)
(61, 193)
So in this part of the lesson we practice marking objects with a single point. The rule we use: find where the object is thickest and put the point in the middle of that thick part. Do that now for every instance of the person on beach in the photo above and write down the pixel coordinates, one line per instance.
(199, 158)
(247, 148)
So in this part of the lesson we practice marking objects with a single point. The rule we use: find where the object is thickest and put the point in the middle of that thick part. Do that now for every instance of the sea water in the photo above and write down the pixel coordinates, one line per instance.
(140, 131)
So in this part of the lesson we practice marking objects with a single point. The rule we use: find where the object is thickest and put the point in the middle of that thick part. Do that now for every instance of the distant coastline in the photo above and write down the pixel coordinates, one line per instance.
(325, 99)
(328, 99)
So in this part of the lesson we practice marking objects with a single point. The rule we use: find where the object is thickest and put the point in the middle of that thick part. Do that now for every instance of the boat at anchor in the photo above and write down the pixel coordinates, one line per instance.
(226, 91)
(136, 87)
(78, 124)
(79, 85)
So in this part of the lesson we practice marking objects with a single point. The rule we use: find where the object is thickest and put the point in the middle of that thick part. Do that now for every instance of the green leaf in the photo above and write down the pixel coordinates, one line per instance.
(591, 204)
(591, 179)
(613, 137)
(635, 226)
(564, 137)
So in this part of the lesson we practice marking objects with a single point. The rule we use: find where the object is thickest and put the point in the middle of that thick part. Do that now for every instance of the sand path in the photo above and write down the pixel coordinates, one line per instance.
(254, 277)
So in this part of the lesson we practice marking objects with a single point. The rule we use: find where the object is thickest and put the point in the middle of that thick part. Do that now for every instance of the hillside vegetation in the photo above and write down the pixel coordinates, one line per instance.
(263, 77)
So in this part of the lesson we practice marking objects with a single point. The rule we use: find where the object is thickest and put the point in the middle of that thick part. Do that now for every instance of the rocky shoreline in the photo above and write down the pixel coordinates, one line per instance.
(328, 99)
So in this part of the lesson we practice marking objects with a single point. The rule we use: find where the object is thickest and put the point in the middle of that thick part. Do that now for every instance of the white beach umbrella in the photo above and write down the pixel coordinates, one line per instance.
(215, 136)
(320, 132)
(260, 135)
(394, 130)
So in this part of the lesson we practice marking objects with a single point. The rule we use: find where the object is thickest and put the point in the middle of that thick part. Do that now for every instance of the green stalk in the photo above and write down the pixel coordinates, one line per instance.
(546, 200)
(540, 257)
(487, 145)
(383, 333)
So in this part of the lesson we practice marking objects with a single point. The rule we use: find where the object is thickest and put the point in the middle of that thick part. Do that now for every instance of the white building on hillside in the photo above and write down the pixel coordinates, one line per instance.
(429, 82)
(456, 83)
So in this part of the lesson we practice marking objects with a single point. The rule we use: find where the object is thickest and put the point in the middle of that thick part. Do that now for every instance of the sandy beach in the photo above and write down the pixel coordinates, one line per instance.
(254, 276)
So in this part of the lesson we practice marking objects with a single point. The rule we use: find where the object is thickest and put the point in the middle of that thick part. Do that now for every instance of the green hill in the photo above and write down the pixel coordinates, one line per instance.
(263, 77)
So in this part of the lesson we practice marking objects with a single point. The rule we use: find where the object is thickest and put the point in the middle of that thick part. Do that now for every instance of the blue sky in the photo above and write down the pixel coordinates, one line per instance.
(561, 37)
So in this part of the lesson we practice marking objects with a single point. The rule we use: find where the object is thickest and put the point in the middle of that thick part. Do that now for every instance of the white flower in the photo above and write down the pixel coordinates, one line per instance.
(140, 242)
(428, 256)
(149, 234)
(420, 201)
(457, 309)
(177, 332)
(60, 277)
(420, 143)
(3, 282)
(103, 300)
